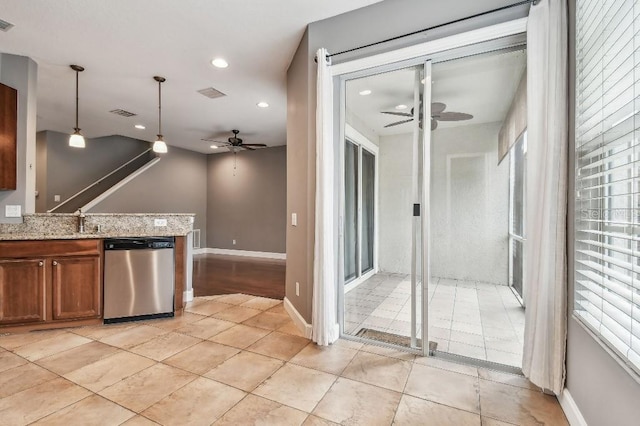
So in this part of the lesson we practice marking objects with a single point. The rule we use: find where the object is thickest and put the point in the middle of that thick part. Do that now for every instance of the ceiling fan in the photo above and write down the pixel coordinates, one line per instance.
(438, 113)
(234, 143)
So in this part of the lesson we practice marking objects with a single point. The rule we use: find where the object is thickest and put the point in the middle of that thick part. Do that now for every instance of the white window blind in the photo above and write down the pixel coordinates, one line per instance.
(607, 246)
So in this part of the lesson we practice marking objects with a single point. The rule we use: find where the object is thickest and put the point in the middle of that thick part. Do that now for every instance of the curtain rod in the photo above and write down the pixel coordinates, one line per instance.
(477, 15)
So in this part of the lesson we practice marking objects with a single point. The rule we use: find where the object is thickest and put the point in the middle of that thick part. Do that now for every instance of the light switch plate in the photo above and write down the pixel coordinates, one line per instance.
(56, 198)
(159, 222)
(13, 211)
(294, 219)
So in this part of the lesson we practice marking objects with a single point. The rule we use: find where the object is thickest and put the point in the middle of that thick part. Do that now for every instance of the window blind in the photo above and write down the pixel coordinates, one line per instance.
(607, 245)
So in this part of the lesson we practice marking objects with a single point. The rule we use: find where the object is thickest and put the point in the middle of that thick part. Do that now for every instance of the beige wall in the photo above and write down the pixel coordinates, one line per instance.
(300, 181)
(247, 203)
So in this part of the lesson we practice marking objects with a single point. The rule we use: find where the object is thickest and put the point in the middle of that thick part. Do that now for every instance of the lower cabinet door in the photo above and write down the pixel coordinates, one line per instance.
(77, 289)
(22, 291)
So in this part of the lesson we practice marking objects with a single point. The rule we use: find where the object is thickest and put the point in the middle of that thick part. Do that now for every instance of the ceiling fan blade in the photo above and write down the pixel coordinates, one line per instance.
(453, 116)
(255, 145)
(246, 147)
(398, 123)
(401, 114)
(434, 124)
(437, 107)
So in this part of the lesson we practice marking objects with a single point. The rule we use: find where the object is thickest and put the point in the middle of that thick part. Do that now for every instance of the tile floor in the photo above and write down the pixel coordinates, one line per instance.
(473, 319)
(238, 359)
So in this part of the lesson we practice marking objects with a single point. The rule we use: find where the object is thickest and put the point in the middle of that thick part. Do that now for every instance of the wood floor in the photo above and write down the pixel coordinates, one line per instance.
(218, 274)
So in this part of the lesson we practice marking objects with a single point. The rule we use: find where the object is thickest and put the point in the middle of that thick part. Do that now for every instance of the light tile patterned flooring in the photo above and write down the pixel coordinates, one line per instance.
(473, 319)
(238, 359)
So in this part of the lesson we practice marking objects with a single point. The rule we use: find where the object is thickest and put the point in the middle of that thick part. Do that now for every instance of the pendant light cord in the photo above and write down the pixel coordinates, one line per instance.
(159, 108)
(77, 97)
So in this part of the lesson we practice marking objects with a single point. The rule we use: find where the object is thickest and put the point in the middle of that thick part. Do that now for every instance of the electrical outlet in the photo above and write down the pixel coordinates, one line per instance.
(159, 222)
(56, 198)
(297, 288)
(12, 211)
(234, 242)
(294, 219)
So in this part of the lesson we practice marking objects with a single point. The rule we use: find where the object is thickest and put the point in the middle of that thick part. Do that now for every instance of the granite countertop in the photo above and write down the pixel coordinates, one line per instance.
(63, 226)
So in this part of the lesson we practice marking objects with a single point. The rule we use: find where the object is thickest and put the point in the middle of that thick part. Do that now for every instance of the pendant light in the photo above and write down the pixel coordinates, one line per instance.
(159, 145)
(76, 140)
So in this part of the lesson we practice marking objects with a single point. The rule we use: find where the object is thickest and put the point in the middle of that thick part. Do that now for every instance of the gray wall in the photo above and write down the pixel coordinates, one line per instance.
(21, 73)
(41, 172)
(69, 170)
(366, 25)
(300, 180)
(605, 392)
(247, 204)
(176, 184)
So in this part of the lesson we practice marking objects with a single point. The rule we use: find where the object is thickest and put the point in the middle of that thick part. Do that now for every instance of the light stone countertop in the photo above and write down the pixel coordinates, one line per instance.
(63, 226)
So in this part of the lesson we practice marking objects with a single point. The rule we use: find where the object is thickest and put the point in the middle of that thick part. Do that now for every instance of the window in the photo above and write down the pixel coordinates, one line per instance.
(607, 246)
(517, 175)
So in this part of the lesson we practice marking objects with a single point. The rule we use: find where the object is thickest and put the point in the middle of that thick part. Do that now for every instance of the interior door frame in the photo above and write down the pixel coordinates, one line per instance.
(494, 37)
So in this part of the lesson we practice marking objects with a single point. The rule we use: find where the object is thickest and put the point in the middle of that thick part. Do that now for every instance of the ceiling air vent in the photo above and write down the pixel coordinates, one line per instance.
(122, 113)
(5, 26)
(212, 93)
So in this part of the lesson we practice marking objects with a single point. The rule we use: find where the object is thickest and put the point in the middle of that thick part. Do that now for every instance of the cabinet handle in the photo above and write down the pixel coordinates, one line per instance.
(55, 263)
(41, 263)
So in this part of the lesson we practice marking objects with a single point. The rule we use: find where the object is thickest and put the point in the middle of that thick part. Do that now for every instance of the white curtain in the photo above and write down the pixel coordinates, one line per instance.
(546, 209)
(324, 319)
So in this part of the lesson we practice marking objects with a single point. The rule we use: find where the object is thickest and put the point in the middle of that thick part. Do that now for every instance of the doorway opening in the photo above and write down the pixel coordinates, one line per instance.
(447, 203)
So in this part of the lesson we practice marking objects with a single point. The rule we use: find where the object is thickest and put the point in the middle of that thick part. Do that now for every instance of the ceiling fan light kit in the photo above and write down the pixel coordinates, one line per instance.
(159, 145)
(76, 140)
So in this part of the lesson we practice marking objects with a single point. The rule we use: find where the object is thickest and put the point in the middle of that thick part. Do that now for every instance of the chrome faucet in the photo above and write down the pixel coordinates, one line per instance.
(81, 220)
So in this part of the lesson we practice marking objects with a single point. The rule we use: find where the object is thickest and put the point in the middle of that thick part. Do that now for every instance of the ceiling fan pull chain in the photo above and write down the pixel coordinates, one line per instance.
(235, 162)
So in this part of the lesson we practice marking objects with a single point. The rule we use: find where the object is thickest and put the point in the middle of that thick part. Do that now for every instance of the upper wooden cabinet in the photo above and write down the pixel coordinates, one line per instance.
(8, 137)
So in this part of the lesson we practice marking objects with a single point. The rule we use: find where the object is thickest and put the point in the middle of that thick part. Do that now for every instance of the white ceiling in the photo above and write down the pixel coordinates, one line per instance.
(482, 86)
(123, 43)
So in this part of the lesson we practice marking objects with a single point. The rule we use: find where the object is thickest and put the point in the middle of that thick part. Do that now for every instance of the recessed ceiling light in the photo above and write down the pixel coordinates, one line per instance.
(263, 104)
(365, 92)
(139, 126)
(214, 146)
(422, 81)
(401, 106)
(219, 63)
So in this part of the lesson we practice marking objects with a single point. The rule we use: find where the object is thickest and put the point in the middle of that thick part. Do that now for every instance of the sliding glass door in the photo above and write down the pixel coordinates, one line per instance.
(517, 174)
(383, 192)
(359, 211)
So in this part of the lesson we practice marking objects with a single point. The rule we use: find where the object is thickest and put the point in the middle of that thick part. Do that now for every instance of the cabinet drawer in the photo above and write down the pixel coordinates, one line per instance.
(25, 249)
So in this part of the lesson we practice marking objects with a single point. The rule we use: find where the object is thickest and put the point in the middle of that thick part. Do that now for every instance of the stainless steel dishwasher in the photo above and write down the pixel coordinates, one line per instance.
(138, 278)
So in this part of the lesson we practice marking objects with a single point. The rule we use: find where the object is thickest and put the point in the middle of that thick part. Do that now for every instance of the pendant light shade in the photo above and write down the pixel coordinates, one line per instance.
(159, 145)
(76, 140)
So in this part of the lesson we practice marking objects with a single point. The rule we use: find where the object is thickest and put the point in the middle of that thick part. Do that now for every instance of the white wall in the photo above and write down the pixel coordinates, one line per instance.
(469, 205)
(395, 203)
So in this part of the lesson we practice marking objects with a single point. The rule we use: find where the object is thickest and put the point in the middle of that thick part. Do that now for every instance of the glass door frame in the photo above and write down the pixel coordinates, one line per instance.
(419, 198)
(495, 37)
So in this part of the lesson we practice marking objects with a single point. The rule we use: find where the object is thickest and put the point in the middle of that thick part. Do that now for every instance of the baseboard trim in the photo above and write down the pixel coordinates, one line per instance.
(246, 253)
(188, 295)
(302, 325)
(570, 408)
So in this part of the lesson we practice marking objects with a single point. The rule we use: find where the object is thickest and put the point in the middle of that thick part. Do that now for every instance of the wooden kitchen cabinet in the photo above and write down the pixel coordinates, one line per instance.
(76, 290)
(50, 281)
(22, 291)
